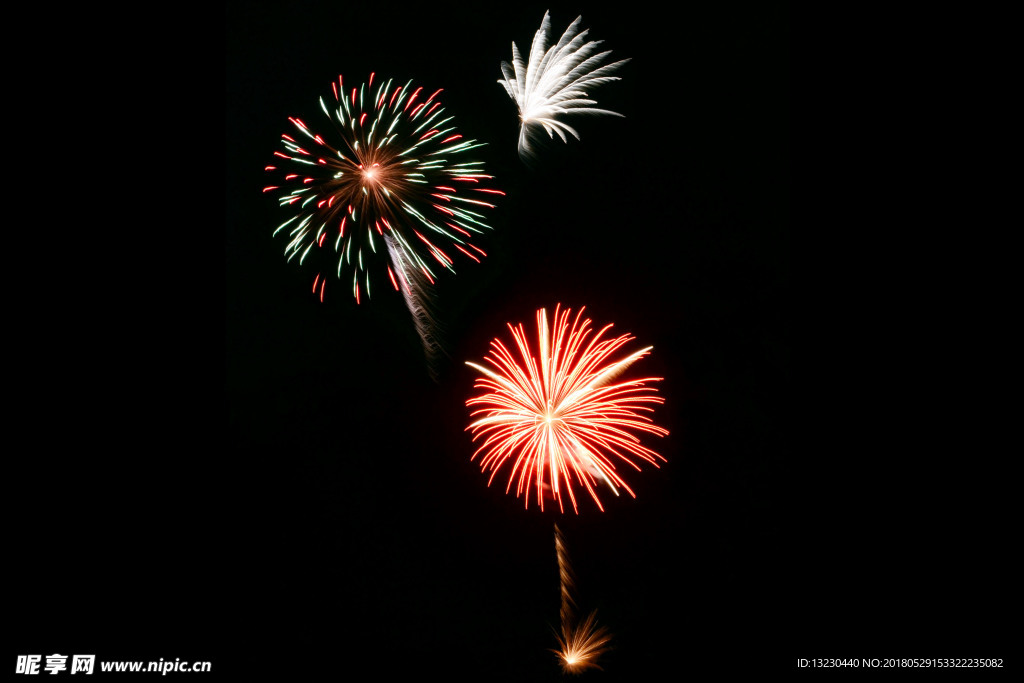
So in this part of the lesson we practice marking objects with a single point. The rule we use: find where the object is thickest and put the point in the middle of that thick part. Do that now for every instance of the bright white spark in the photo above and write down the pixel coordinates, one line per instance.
(555, 82)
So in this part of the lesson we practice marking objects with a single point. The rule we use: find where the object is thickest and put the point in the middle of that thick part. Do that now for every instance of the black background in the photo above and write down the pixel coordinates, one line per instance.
(671, 223)
(227, 469)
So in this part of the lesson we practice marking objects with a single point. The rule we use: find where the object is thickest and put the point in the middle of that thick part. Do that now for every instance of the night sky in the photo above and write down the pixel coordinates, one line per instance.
(278, 483)
(384, 543)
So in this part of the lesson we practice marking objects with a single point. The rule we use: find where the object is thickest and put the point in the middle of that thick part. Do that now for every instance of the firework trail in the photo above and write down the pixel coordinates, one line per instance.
(555, 82)
(387, 172)
(413, 287)
(580, 643)
(563, 420)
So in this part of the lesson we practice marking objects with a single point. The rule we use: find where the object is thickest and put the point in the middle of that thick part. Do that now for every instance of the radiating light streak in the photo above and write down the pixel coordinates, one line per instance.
(553, 414)
(556, 82)
(378, 182)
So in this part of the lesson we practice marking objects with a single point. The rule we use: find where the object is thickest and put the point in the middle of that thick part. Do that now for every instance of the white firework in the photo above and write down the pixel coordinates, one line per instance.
(556, 82)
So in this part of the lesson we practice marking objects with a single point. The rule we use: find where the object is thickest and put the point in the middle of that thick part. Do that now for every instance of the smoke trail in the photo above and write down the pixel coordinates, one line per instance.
(567, 581)
(417, 300)
(581, 643)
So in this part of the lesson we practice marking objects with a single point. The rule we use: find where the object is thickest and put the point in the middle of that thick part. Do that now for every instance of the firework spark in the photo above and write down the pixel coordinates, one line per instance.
(580, 643)
(387, 173)
(555, 82)
(562, 420)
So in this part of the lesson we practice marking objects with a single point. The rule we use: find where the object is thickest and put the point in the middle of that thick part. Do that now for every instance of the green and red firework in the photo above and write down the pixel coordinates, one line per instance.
(388, 175)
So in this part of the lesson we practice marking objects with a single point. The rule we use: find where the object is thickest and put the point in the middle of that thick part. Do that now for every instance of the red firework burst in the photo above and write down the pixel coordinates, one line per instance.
(555, 412)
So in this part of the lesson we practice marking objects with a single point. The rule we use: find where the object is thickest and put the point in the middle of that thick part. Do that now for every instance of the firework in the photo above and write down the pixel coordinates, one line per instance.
(386, 176)
(580, 643)
(556, 81)
(555, 413)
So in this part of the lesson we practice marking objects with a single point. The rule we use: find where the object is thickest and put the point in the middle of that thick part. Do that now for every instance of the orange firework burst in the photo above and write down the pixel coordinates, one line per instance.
(582, 644)
(557, 414)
